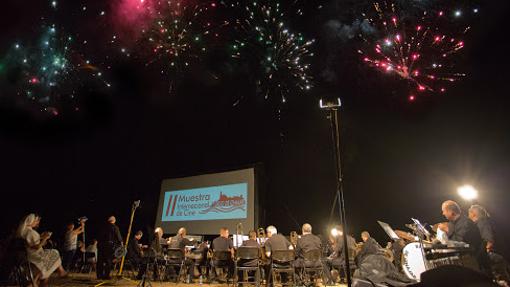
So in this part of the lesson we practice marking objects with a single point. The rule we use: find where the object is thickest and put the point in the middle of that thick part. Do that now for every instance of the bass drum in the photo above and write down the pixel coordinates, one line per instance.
(413, 261)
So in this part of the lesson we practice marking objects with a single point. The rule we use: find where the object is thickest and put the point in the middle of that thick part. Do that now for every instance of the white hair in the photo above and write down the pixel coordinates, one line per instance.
(272, 229)
(480, 211)
(25, 225)
(307, 228)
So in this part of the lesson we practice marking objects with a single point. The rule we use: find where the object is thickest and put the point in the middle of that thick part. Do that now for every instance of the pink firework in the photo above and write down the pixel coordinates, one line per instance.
(130, 17)
(415, 50)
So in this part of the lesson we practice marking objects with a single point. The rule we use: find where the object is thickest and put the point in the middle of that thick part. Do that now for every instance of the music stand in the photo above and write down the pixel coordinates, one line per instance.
(421, 229)
(389, 231)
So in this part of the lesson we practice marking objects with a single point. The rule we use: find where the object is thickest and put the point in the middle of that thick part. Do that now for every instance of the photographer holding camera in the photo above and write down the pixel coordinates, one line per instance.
(70, 242)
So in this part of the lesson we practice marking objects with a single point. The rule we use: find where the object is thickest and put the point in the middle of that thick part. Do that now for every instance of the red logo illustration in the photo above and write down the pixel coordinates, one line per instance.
(226, 204)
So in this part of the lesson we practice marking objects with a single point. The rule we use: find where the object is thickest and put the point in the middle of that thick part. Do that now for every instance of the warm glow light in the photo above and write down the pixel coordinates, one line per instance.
(467, 192)
(335, 232)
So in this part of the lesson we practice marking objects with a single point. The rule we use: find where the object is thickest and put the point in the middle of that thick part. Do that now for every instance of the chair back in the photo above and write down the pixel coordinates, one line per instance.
(20, 250)
(174, 253)
(221, 255)
(196, 254)
(312, 255)
(283, 255)
(248, 252)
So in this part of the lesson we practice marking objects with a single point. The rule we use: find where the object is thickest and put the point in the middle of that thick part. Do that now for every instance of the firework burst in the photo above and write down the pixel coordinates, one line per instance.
(418, 51)
(279, 57)
(47, 72)
(172, 34)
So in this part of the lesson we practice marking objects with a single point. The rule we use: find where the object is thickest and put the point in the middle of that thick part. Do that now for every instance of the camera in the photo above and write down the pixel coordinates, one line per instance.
(136, 204)
(82, 219)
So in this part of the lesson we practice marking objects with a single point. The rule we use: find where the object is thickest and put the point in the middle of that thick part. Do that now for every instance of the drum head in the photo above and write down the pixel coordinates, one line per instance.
(413, 261)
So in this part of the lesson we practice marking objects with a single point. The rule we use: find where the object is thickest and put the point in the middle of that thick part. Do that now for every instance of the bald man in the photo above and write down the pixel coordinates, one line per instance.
(459, 227)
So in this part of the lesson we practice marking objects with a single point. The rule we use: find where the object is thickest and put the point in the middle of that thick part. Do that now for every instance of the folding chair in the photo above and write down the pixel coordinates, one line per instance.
(312, 267)
(23, 273)
(247, 254)
(282, 263)
(221, 259)
(175, 258)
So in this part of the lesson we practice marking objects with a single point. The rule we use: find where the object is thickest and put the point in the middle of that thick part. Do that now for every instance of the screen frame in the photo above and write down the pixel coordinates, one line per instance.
(248, 175)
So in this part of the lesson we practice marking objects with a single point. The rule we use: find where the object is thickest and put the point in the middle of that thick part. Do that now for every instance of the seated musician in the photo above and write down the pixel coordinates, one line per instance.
(374, 266)
(337, 257)
(370, 247)
(157, 249)
(251, 242)
(135, 254)
(179, 241)
(275, 241)
(223, 243)
(156, 242)
(498, 264)
(307, 242)
(459, 228)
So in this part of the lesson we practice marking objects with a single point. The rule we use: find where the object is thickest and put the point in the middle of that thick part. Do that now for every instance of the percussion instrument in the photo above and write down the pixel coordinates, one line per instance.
(413, 261)
(405, 235)
(416, 260)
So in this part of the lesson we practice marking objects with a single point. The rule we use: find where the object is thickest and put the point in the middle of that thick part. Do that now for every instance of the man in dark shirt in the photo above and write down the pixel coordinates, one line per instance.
(480, 217)
(179, 241)
(108, 240)
(337, 258)
(251, 242)
(307, 242)
(156, 244)
(135, 254)
(275, 241)
(370, 247)
(223, 243)
(460, 228)
(495, 262)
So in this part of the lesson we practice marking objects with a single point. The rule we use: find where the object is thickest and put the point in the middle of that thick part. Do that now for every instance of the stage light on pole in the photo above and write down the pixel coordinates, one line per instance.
(336, 232)
(467, 192)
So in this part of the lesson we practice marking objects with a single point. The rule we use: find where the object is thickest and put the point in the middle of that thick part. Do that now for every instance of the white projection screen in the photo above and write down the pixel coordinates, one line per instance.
(205, 203)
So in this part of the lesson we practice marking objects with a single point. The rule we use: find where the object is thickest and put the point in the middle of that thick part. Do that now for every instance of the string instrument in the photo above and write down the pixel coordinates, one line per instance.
(405, 235)
(293, 238)
(261, 236)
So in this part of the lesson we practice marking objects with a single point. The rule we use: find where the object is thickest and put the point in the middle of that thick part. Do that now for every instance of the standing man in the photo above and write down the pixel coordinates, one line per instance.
(109, 239)
(71, 243)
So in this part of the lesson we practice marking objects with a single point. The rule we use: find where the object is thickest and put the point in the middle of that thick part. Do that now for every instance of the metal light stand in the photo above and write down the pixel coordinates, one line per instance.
(335, 135)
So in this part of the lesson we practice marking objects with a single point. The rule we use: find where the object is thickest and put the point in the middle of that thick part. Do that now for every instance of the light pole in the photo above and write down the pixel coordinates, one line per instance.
(332, 106)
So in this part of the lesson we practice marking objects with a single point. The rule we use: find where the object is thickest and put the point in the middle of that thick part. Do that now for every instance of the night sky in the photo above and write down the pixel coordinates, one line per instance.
(401, 159)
